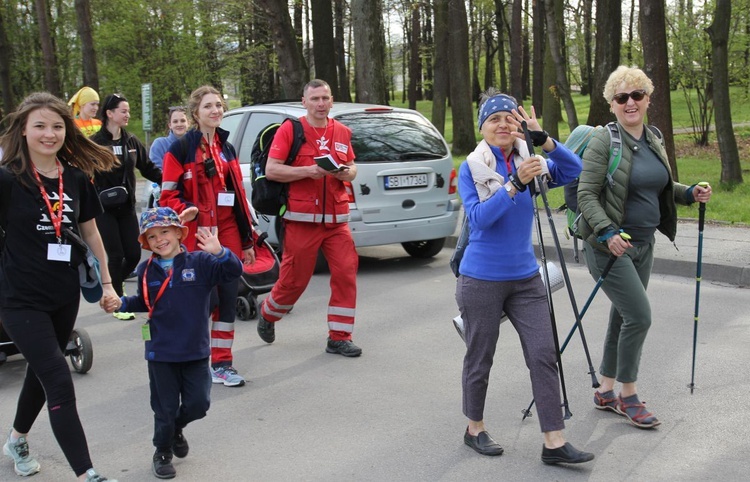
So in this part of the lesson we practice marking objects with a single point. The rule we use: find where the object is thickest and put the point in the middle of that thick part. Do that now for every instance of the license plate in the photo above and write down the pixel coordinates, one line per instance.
(405, 180)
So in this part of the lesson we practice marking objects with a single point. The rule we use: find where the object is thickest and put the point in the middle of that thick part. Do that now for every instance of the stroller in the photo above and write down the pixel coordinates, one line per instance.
(257, 278)
(78, 349)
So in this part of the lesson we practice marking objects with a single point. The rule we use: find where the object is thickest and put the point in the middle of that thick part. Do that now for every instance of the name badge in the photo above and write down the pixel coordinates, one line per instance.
(58, 252)
(226, 198)
(146, 332)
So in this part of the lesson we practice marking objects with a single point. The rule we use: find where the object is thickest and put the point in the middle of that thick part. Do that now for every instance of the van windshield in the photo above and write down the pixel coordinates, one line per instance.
(393, 137)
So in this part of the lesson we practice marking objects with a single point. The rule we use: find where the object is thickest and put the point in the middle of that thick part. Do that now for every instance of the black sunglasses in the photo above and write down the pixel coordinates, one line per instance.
(623, 97)
(114, 101)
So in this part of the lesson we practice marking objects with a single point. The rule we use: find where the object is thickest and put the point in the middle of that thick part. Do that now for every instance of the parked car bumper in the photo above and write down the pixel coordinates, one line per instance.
(375, 234)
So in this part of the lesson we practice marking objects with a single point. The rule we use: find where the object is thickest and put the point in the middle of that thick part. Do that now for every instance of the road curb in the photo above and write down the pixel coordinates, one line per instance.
(719, 273)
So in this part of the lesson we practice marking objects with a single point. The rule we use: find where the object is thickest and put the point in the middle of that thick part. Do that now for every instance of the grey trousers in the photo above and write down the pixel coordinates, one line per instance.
(630, 314)
(525, 302)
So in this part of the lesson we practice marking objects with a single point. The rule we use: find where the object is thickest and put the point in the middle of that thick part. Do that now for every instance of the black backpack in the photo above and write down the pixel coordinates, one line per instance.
(269, 197)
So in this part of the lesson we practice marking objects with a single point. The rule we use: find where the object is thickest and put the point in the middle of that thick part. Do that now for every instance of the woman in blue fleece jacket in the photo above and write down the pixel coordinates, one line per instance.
(499, 272)
(174, 287)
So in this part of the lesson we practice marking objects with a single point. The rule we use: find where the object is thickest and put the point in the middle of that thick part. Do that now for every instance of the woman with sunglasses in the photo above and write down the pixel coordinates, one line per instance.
(640, 201)
(118, 224)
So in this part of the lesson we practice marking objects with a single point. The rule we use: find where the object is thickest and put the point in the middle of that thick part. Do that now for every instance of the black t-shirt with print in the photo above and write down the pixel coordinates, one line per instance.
(27, 278)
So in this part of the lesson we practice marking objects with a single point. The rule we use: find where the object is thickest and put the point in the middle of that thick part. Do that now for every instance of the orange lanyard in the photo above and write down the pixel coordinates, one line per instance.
(56, 218)
(217, 162)
(144, 288)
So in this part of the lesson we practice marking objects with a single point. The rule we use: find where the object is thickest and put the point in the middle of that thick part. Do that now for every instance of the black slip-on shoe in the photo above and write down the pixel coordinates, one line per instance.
(162, 466)
(343, 347)
(567, 454)
(266, 330)
(483, 443)
(180, 447)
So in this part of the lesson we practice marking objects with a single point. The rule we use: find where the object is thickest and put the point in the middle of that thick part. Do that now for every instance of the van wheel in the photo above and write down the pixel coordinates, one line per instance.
(424, 249)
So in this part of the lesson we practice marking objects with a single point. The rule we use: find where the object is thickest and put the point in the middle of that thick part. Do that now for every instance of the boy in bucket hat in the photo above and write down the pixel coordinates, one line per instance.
(174, 288)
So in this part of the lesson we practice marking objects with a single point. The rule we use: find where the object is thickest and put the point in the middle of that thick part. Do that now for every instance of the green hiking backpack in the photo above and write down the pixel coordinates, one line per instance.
(577, 142)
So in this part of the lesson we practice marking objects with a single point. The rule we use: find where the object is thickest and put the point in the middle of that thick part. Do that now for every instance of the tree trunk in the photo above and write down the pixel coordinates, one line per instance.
(428, 42)
(323, 46)
(292, 67)
(586, 72)
(88, 53)
(345, 94)
(537, 85)
(442, 52)
(369, 64)
(731, 173)
(51, 74)
(209, 41)
(554, 12)
(415, 72)
(500, 26)
(6, 59)
(516, 51)
(551, 101)
(460, 89)
(608, 31)
(656, 66)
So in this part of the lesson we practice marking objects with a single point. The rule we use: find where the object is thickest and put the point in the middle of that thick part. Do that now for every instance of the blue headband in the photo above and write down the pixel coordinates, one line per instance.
(497, 103)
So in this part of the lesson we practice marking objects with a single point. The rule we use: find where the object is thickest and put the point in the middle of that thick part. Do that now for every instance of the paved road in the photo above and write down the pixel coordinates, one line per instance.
(395, 413)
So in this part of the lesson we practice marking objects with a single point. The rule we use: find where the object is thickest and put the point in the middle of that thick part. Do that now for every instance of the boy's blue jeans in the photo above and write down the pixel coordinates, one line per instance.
(180, 394)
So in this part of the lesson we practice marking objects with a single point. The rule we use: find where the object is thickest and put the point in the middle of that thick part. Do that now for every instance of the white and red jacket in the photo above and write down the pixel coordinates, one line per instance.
(185, 184)
(322, 200)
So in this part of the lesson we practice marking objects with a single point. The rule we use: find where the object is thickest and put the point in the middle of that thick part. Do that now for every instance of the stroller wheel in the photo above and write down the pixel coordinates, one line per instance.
(254, 306)
(244, 309)
(80, 350)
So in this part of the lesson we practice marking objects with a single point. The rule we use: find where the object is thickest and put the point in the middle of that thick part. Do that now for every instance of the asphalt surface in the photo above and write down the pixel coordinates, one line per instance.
(394, 414)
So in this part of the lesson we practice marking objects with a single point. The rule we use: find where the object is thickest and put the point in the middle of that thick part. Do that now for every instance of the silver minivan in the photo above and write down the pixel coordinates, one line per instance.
(406, 188)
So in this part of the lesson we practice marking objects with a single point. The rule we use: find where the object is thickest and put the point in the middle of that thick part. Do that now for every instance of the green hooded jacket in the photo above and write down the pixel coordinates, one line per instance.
(602, 207)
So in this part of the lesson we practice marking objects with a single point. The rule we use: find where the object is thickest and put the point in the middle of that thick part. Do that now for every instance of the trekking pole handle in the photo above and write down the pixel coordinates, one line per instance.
(702, 209)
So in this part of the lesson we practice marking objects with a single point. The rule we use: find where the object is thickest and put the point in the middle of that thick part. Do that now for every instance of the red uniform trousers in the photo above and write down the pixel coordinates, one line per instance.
(301, 244)
(225, 302)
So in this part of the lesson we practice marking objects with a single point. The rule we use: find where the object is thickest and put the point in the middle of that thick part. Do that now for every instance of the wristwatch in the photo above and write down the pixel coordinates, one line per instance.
(509, 187)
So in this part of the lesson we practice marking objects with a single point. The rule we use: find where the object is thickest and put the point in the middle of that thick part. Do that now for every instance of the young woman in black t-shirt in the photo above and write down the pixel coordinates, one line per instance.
(45, 188)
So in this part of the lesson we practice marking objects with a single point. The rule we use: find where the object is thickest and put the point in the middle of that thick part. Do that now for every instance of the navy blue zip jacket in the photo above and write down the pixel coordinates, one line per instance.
(179, 323)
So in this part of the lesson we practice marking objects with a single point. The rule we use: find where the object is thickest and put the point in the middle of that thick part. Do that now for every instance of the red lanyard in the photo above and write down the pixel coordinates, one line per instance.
(56, 218)
(217, 160)
(144, 288)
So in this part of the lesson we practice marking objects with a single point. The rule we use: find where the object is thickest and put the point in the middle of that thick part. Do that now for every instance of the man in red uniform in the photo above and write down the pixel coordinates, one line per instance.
(316, 219)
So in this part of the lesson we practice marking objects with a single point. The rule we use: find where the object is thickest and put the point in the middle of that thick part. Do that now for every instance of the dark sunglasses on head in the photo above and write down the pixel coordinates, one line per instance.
(623, 97)
(114, 101)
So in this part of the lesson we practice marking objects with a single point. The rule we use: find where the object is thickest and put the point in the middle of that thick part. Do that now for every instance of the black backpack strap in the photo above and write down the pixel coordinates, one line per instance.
(298, 138)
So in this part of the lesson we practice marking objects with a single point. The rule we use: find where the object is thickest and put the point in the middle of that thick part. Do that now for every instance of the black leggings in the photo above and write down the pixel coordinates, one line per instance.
(119, 231)
(41, 337)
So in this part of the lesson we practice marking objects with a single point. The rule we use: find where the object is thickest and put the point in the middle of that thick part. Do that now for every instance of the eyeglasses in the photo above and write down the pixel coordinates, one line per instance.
(622, 97)
(177, 108)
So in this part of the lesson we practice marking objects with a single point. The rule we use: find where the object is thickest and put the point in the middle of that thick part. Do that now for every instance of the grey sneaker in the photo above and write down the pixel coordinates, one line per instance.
(19, 452)
(228, 376)
(343, 347)
(92, 476)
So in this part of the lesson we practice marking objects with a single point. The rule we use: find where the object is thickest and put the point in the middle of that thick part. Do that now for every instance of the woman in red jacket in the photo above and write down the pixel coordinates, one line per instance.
(203, 184)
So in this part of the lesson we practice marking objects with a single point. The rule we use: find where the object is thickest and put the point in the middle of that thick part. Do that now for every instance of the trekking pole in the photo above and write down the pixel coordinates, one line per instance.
(545, 270)
(605, 272)
(701, 221)
(566, 277)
